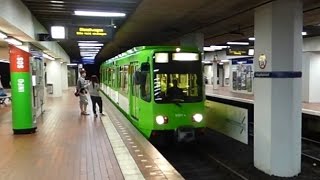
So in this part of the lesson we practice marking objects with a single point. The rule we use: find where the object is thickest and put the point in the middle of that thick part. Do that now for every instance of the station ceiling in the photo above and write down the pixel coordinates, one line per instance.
(161, 22)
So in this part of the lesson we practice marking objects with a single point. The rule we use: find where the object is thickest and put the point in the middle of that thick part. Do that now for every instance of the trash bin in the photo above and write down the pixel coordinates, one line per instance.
(50, 88)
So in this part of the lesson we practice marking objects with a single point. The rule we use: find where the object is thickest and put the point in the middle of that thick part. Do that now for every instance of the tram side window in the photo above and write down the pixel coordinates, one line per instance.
(145, 82)
(109, 77)
(124, 79)
(113, 78)
(118, 77)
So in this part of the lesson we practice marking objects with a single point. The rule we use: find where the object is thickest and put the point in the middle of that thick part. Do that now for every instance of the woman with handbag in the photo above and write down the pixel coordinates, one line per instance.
(94, 89)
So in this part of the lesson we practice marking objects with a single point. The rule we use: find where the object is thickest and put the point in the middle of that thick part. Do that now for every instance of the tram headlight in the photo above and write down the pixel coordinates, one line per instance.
(161, 120)
(197, 117)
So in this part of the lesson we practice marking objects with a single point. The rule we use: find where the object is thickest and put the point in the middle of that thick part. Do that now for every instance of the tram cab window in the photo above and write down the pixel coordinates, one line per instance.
(145, 82)
(188, 87)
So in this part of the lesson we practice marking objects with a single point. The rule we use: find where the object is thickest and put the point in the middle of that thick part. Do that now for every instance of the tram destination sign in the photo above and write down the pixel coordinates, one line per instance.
(90, 33)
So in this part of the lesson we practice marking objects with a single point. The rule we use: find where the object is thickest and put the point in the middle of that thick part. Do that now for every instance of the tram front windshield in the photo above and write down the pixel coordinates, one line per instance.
(178, 81)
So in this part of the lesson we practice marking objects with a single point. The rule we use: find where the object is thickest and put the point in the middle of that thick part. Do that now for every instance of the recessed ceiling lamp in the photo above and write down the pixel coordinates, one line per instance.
(304, 33)
(251, 52)
(58, 32)
(89, 44)
(99, 14)
(238, 43)
(13, 41)
(3, 36)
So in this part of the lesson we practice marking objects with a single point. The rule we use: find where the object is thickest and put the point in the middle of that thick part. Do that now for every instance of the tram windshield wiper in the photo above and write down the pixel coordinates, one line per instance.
(177, 101)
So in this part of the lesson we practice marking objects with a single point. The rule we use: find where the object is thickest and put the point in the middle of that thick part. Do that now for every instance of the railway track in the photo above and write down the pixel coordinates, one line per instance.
(194, 163)
(311, 150)
(218, 157)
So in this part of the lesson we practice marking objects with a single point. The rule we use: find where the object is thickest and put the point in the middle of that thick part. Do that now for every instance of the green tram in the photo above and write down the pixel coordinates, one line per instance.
(159, 88)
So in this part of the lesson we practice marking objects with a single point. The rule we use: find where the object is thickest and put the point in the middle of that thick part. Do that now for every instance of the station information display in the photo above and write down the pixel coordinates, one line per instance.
(90, 33)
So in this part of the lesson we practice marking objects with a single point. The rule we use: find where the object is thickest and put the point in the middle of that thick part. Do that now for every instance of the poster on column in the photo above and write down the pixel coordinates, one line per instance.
(22, 121)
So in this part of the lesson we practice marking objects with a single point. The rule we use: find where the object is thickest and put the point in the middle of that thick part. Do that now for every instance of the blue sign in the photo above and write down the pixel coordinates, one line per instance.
(278, 74)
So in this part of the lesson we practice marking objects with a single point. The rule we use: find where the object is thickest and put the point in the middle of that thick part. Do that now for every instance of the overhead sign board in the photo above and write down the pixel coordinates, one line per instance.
(237, 52)
(90, 33)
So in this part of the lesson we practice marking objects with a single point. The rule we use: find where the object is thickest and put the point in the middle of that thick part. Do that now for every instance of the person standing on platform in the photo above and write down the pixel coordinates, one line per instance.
(94, 88)
(2, 93)
(81, 83)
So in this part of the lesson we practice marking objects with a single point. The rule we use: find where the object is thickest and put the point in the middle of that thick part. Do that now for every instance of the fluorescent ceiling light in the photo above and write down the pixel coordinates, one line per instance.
(48, 57)
(58, 32)
(214, 48)
(252, 39)
(89, 50)
(4, 61)
(304, 33)
(13, 41)
(88, 47)
(72, 64)
(99, 14)
(88, 57)
(238, 43)
(89, 44)
(88, 54)
(58, 2)
(87, 41)
(3, 36)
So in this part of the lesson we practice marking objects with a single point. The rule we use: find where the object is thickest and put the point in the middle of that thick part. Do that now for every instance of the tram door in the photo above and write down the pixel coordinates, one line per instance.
(135, 92)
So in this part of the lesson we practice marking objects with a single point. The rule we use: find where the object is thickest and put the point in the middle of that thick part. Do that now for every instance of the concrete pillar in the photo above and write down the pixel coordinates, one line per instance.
(54, 77)
(215, 75)
(64, 76)
(277, 84)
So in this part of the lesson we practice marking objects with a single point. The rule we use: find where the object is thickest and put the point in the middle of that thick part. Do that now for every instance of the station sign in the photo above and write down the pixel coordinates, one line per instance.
(19, 60)
(237, 52)
(90, 33)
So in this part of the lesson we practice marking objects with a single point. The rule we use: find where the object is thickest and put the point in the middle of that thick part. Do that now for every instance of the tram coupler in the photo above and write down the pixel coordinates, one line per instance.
(185, 134)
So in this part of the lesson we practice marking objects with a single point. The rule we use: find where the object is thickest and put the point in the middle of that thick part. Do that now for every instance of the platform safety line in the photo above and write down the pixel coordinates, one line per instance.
(127, 164)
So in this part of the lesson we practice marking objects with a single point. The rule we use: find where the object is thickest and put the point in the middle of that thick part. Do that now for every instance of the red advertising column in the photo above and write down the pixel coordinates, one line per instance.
(22, 120)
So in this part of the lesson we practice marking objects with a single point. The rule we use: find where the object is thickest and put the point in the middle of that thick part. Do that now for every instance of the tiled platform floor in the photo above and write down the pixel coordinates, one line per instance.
(67, 146)
(71, 147)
